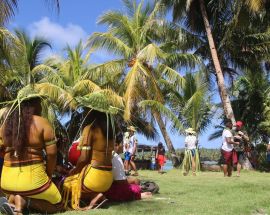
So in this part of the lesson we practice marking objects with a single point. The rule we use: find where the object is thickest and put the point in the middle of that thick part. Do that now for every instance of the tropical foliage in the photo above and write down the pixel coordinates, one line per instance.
(164, 75)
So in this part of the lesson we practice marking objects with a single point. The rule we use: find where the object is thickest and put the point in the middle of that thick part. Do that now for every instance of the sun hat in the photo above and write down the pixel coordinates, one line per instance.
(190, 131)
(131, 128)
(103, 101)
(239, 123)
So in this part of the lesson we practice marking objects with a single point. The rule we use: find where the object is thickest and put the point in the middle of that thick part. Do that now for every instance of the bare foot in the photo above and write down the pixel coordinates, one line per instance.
(96, 202)
(146, 195)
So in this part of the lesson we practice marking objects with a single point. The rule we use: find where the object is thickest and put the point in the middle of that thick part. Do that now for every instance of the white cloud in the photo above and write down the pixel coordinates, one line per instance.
(59, 36)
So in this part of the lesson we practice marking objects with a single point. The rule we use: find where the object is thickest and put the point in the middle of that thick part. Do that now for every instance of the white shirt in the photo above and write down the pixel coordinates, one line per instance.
(126, 142)
(132, 141)
(190, 142)
(226, 146)
(118, 168)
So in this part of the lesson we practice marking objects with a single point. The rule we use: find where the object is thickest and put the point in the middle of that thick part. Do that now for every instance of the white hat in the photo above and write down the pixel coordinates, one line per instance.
(190, 131)
(131, 128)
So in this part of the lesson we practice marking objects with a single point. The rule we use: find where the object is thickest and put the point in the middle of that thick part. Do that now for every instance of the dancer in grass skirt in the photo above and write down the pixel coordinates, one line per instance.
(191, 159)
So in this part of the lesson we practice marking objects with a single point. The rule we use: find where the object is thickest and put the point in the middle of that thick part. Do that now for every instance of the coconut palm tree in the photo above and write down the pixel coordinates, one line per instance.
(252, 102)
(131, 36)
(8, 8)
(193, 13)
(20, 60)
(64, 79)
(193, 103)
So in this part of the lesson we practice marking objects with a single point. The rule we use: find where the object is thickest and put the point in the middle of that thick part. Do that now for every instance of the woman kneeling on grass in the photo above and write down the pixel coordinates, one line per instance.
(25, 178)
(93, 172)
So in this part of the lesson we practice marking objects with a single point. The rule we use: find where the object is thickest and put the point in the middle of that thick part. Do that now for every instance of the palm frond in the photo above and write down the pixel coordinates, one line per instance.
(163, 110)
(131, 93)
(104, 100)
(151, 53)
(7, 10)
(108, 42)
(109, 68)
(84, 87)
(172, 75)
(61, 97)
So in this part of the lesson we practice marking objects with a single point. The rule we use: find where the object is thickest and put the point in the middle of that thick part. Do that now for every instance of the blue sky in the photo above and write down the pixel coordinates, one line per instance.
(77, 20)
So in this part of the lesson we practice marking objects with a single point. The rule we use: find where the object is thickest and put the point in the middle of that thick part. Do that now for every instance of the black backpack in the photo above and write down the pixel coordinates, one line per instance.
(149, 186)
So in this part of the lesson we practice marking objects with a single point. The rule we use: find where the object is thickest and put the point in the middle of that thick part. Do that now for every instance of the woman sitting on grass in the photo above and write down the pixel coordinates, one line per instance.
(93, 172)
(25, 178)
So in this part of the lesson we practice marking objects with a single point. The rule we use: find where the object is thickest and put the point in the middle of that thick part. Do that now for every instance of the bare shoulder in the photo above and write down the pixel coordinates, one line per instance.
(40, 119)
(87, 127)
(42, 123)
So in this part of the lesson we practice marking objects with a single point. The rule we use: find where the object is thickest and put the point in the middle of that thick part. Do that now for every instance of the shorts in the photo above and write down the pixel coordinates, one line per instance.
(193, 152)
(161, 160)
(241, 157)
(226, 157)
(268, 157)
(127, 156)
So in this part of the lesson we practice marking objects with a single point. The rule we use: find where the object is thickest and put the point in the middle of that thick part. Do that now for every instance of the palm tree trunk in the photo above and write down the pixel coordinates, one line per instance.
(167, 139)
(223, 93)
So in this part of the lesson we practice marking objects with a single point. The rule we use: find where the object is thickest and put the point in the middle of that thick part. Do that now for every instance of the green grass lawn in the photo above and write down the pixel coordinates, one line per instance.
(207, 193)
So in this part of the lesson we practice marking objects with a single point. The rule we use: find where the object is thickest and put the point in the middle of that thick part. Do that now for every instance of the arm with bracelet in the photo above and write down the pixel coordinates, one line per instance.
(85, 148)
(50, 147)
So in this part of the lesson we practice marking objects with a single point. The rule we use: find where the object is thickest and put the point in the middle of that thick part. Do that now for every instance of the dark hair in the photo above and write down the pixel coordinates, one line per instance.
(18, 122)
(119, 138)
(227, 122)
(160, 145)
(100, 120)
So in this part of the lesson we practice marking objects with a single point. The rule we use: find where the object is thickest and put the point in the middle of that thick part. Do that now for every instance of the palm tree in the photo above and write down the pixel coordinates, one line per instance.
(8, 8)
(20, 60)
(67, 76)
(193, 103)
(193, 12)
(132, 36)
(252, 102)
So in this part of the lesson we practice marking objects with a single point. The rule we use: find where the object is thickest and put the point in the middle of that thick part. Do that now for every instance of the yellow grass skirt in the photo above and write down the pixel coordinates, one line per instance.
(28, 180)
(187, 164)
(91, 179)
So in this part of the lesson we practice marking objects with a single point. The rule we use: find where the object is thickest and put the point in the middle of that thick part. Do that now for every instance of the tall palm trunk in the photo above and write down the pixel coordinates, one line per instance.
(167, 139)
(220, 78)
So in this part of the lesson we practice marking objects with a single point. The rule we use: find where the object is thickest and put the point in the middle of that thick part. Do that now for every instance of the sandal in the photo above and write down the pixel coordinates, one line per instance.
(99, 205)
(7, 209)
(3, 200)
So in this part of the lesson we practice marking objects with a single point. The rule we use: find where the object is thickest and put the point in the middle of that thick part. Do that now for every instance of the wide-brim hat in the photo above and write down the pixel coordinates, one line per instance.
(102, 101)
(131, 128)
(190, 131)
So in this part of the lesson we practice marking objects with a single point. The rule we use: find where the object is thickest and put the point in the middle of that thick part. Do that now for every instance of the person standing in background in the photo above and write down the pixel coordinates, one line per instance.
(133, 142)
(227, 148)
(243, 139)
(127, 155)
(191, 153)
(160, 157)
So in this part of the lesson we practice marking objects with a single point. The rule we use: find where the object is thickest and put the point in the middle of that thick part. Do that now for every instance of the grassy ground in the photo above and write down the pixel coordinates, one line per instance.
(207, 193)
